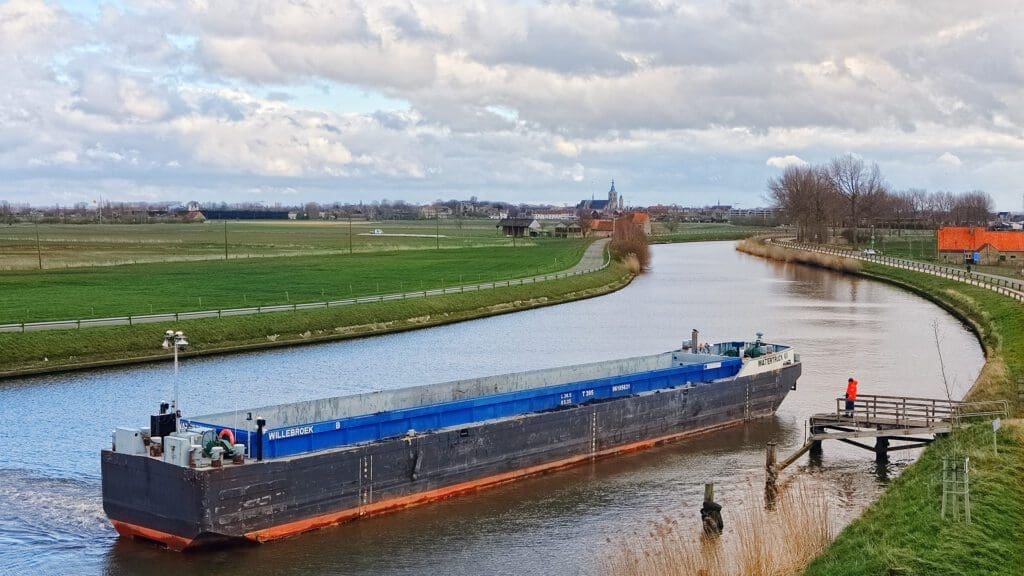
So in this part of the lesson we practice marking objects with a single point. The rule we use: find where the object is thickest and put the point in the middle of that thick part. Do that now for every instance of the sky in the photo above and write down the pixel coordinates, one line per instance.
(537, 102)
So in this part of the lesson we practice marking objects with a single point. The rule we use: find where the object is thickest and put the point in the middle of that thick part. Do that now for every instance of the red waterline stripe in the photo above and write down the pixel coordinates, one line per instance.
(135, 531)
(324, 520)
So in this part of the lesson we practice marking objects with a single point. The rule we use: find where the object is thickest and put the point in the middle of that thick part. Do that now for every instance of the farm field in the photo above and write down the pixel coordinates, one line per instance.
(912, 244)
(136, 289)
(75, 245)
(663, 233)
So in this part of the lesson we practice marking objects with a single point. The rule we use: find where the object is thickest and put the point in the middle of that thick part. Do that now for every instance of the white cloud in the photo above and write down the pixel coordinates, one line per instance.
(499, 98)
(784, 161)
(566, 148)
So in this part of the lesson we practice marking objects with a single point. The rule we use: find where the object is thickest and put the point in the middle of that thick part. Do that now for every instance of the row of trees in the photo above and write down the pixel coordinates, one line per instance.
(847, 193)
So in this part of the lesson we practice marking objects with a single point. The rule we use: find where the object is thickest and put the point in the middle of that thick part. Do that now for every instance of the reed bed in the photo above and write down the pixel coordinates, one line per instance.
(781, 254)
(756, 541)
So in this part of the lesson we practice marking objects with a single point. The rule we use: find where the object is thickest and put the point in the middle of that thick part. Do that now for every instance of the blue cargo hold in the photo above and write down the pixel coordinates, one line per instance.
(321, 435)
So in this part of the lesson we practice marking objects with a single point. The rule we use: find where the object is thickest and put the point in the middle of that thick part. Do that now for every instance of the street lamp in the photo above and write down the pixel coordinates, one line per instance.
(176, 340)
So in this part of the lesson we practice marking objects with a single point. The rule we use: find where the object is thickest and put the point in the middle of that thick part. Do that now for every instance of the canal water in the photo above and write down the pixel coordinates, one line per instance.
(53, 427)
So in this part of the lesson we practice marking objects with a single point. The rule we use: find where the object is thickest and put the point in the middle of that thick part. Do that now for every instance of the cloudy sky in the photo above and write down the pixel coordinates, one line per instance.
(694, 103)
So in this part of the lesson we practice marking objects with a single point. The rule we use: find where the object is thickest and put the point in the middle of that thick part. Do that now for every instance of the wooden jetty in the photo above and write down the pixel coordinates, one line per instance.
(895, 423)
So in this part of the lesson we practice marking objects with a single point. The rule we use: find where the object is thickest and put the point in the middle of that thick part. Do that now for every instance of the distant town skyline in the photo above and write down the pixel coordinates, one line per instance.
(537, 103)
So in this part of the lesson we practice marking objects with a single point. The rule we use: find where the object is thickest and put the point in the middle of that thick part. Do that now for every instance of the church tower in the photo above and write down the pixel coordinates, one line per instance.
(613, 198)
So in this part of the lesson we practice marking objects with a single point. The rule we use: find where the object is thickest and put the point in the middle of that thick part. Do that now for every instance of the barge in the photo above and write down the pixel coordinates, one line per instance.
(255, 475)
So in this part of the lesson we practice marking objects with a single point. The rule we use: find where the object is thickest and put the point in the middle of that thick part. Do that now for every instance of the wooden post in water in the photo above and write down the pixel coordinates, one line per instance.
(771, 489)
(881, 449)
(711, 513)
(816, 444)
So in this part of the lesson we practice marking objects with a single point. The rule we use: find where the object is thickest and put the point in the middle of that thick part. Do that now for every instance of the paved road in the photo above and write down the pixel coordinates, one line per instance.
(592, 258)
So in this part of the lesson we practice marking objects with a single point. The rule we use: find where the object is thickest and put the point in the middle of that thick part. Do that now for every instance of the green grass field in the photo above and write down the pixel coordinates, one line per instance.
(55, 349)
(135, 289)
(702, 232)
(73, 245)
(912, 244)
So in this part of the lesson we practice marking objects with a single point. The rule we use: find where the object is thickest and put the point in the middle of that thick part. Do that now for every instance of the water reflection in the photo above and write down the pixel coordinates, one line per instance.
(555, 524)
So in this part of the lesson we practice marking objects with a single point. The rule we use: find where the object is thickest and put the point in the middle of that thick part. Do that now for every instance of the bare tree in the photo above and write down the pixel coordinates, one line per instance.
(806, 198)
(900, 209)
(586, 218)
(856, 182)
(973, 208)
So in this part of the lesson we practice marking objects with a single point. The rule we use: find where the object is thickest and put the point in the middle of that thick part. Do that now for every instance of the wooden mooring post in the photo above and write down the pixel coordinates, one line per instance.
(711, 512)
(771, 475)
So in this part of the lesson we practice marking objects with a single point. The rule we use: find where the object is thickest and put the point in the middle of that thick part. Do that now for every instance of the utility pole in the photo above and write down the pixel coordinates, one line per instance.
(225, 239)
(349, 232)
(437, 229)
(39, 251)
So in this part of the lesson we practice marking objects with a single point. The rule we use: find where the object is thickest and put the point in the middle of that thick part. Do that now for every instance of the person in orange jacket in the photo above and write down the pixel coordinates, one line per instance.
(851, 395)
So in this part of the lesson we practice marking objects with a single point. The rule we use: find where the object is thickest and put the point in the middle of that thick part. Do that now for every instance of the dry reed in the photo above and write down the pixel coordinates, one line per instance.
(629, 240)
(781, 254)
(632, 263)
(756, 542)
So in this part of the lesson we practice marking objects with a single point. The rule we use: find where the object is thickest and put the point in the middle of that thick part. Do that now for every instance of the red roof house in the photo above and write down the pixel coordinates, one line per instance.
(994, 245)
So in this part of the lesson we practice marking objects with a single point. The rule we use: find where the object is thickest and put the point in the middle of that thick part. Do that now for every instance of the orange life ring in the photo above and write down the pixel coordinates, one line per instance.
(227, 432)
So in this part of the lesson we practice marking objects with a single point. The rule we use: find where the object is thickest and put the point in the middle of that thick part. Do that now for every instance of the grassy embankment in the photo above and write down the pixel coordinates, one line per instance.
(137, 289)
(63, 349)
(903, 532)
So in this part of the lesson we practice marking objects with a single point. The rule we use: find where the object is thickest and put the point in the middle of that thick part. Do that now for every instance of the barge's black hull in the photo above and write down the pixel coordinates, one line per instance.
(188, 507)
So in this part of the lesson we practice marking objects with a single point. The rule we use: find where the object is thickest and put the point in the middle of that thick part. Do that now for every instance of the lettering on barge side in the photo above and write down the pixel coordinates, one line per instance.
(769, 360)
(281, 434)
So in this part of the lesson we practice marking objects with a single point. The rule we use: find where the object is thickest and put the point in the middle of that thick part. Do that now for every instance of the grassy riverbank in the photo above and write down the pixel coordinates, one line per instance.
(902, 533)
(66, 349)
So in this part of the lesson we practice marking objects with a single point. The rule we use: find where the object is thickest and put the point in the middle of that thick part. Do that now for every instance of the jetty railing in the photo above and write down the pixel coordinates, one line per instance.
(912, 412)
(1005, 286)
